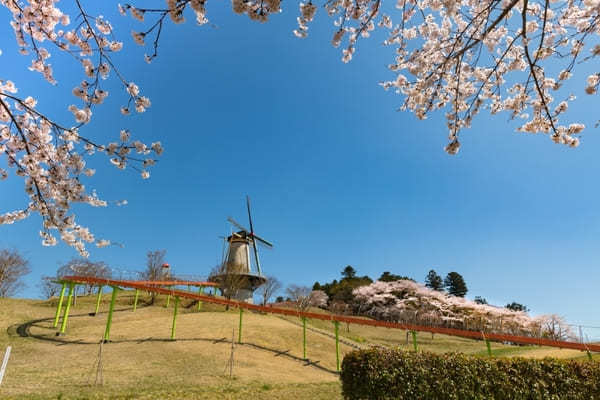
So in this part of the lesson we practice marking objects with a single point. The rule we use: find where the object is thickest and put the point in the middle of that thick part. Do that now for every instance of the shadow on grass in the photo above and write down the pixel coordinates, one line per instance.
(24, 330)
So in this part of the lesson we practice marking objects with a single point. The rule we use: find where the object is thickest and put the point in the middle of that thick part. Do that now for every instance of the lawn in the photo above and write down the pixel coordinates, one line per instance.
(141, 362)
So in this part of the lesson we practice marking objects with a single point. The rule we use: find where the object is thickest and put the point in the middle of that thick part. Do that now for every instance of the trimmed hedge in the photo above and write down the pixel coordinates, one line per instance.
(398, 374)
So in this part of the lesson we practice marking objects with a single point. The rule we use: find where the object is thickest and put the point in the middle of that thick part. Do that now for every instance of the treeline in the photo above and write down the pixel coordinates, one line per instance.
(453, 284)
(14, 267)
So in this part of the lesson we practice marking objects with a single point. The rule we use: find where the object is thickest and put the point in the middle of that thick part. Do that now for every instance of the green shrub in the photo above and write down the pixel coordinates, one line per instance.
(398, 374)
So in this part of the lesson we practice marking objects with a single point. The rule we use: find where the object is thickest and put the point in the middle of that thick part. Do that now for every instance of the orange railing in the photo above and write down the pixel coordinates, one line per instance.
(150, 286)
(168, 283)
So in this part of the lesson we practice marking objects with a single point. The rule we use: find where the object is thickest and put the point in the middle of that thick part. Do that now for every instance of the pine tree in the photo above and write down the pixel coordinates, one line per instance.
(387, 276)
(434, 281)
(455, 284)
(514, 306)
(348, 272)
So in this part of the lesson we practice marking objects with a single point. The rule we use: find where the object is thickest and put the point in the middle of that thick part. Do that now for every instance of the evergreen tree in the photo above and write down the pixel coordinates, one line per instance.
(387, 276)
(517, 307)
(455, 284)
(342, 290)
(434, 281)
(480, 300)
(348, 272)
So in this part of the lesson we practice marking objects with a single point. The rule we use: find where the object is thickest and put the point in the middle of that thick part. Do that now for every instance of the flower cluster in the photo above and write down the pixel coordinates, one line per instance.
(469, 55)
(51, 157)
(410, 302)
(461, 56)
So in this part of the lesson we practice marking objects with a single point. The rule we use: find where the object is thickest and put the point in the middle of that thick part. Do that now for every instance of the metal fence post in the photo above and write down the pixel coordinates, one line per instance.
(110, 313)
(489, 347)
(174, 318)
(63, 326)
(60, 301)
(304, 336)
(98, 299)
(337, 345)
(135, 299)
(240, 330)
(414, 337)
(200, 291)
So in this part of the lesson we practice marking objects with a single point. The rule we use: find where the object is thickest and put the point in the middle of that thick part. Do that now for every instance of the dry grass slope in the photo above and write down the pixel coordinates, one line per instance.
(142, 363)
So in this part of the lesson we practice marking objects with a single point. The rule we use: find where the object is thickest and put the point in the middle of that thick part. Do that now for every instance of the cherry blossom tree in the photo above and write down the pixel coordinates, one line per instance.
(51, 156)
(411, 302)
(454, 56)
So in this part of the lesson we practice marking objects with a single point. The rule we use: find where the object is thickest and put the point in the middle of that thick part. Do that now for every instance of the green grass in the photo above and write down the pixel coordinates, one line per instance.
(438, 343)
(142, 363)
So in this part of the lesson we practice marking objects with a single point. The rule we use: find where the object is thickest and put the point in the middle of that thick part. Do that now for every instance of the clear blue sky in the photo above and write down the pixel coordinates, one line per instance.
(336, 175)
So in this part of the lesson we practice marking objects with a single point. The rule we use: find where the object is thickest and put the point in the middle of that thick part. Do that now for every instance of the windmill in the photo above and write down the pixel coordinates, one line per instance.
(237, 278)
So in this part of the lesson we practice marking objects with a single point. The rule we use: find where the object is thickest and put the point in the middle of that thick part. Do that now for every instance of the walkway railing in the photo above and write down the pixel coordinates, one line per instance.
(158, 287)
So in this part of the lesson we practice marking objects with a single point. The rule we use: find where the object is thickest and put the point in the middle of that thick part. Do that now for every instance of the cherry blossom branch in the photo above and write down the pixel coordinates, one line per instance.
(491, 27)
(532, 68)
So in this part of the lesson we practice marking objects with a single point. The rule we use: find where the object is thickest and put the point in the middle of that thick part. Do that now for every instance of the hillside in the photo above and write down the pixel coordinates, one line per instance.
(141, 361)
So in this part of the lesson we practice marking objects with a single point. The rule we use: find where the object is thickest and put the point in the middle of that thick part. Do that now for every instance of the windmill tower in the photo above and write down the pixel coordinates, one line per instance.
(236, 277)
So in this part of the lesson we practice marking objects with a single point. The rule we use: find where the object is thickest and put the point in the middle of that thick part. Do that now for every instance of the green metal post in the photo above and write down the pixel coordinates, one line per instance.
(589, 356)
(110, 313)
(63, 326)
(489, 347)
(60, 301)
(174, 318)
(337, 345)
(200, 291)
(304, 336)
(414, 336)
(168, 301)
(98, 299)
(135, 299)
(240, 330)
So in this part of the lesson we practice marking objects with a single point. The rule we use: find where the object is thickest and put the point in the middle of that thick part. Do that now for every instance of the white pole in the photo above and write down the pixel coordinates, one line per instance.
(4, 362)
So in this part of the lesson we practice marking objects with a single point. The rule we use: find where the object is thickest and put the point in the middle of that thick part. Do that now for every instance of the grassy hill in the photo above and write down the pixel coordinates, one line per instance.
(141, 362)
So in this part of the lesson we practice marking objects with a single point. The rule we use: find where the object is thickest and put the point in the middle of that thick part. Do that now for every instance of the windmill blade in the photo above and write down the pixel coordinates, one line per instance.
(253, 237)
(234, 223)
(223, 251)
(249, 215)
(263, 242)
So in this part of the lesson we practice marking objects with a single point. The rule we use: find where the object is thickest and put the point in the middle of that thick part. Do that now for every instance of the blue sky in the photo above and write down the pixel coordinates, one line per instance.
(335, 174)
